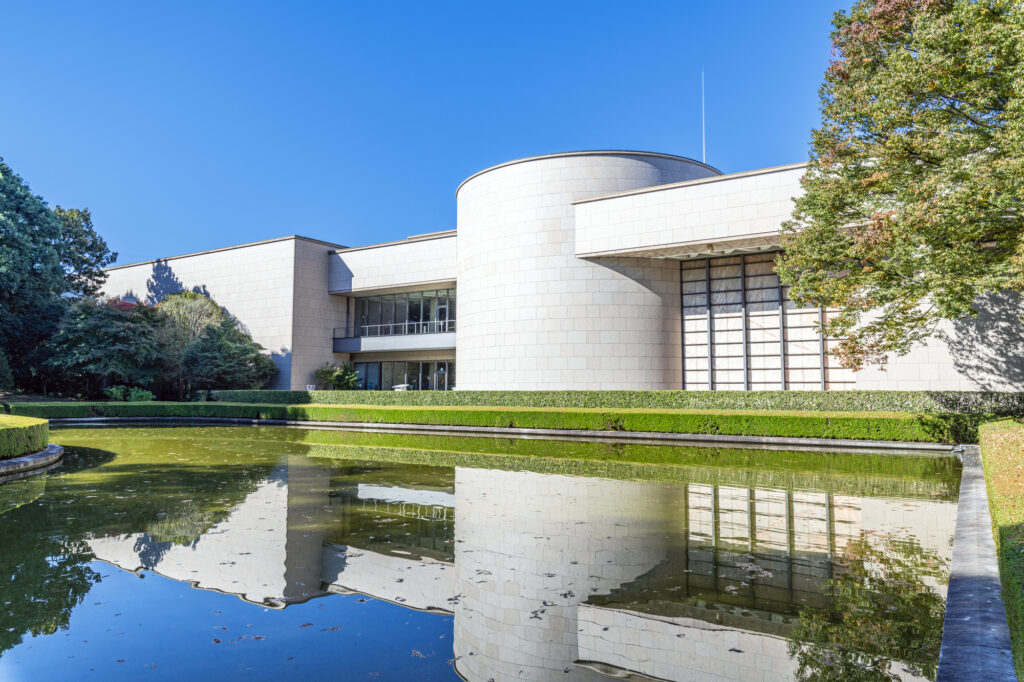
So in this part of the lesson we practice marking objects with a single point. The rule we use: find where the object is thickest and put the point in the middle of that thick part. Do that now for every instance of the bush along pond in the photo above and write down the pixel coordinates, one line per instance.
(272, 552)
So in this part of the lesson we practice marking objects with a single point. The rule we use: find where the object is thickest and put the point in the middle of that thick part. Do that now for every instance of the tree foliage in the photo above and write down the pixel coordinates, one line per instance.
(104, 343)
(912, 203)
(186, 315)
(225, 355)
(338, 377)
(47, 259)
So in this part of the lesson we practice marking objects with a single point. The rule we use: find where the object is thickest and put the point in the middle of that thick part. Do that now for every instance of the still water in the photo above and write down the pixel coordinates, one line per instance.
(270, 553)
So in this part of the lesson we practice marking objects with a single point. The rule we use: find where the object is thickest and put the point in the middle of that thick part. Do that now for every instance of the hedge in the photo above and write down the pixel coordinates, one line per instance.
(22, 435)
(1009, 404)
(1002, 450)
(893, 426)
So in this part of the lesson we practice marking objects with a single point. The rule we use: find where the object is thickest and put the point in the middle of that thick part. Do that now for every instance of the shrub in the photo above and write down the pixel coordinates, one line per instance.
(964, 402)
(888, 426)
(118, 393)
(338, 377)
(139, 395)
(22, 435)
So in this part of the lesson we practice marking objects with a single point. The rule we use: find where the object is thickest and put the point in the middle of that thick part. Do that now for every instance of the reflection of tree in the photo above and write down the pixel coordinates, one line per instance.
(45, 577)
(880, 614)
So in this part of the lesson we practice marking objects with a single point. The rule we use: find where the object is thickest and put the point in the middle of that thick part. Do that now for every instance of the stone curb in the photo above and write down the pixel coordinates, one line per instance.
(32, 462)
(755, 442)
(975, 636)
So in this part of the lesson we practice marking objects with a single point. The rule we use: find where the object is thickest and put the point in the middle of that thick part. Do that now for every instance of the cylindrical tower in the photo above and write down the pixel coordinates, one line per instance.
(532, 315)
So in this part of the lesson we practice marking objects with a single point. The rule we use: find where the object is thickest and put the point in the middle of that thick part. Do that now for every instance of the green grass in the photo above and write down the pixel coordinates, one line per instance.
(889, 426)
(1002, 452)
(22, 435)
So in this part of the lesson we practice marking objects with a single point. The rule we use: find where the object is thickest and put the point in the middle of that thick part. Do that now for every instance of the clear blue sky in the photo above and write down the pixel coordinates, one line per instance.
(194, 125)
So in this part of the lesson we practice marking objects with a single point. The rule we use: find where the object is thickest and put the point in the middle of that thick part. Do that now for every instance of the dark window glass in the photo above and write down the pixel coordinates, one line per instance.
(386, 376)
(360, 375)
(401, 313)
(451, 375)
(364, 317)
(427, 312)
(372, 376)
(387, 313)
(426, 376)
(373, 317)
(414, 311)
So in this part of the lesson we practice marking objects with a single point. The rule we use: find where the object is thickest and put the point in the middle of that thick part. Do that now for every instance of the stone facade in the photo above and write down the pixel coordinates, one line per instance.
(584, 270)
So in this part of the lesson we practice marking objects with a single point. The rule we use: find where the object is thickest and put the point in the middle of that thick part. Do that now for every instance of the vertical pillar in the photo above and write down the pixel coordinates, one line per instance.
(782, 338)
(710, 325)
(821, 345)
(682, 325)
(743, 318)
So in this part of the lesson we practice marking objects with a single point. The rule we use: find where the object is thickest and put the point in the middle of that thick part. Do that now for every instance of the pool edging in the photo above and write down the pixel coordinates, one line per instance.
(756, 442)
(31, 463)
(975, 634)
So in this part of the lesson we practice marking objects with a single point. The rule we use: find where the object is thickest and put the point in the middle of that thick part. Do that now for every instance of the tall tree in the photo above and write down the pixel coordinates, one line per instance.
(186, 315)
(83, 252)
(105, 343)
(913, 195)
(47, 259)
(225, 356)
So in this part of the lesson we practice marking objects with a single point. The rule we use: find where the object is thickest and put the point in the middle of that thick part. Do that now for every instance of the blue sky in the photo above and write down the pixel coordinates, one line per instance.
(194, 125)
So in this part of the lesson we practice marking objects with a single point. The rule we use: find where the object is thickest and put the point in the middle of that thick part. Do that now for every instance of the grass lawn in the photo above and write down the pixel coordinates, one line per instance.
(1002, 451)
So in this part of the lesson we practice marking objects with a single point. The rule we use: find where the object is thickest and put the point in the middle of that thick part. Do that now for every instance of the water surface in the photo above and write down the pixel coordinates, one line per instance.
(272, 553)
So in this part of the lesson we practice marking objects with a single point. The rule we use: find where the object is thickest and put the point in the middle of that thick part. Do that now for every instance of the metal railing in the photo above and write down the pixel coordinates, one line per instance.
(395, 329)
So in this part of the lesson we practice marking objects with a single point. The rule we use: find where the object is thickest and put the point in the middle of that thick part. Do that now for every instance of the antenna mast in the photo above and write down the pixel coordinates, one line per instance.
(703, 139)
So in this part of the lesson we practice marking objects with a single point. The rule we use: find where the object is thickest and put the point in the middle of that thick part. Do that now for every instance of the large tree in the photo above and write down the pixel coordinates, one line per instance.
(48, 258)
(913, 195)
(225, 356)
(105, 343)
(186, 316)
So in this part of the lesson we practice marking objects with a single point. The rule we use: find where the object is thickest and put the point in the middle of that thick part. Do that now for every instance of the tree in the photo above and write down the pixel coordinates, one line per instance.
(103, 343)
(83, 252)
(47, 259)
(186, 315)
(225, 357)
(912, 205)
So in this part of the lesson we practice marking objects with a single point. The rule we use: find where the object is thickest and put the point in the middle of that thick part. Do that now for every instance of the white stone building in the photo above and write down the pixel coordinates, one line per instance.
(582, 270)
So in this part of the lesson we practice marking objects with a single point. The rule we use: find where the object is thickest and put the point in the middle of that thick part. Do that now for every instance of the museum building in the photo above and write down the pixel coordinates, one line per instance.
(607, 270)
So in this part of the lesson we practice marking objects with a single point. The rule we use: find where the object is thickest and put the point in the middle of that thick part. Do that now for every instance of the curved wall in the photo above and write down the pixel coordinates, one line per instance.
(531, 314)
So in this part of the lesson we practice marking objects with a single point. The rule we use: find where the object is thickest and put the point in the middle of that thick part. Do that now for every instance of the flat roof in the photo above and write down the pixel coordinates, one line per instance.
(225, 248)
(594, 152)
(408, 240)
(698, 181)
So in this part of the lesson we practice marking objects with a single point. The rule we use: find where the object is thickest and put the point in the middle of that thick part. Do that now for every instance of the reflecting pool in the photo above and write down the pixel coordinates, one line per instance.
(265, 553)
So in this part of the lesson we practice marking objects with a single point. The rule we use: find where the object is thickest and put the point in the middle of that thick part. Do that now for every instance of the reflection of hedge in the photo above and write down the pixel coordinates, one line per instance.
(829, 401)
(22, 435)
(764, 474)
(1002, 448)
(890, 426)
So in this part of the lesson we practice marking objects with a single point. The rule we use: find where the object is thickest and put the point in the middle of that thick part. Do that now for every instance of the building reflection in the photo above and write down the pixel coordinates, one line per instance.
(548, 576)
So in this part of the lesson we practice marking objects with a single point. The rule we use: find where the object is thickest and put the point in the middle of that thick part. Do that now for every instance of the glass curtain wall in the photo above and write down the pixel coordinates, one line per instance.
(426, 375)
(415, 312)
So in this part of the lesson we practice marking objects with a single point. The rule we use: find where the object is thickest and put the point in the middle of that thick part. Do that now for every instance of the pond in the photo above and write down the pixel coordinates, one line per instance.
(266, 553)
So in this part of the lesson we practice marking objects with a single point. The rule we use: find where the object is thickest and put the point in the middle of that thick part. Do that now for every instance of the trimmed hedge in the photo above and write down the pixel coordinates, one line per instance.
(1009, 404)
(895, 426)
(22, 435)
(1002, 450)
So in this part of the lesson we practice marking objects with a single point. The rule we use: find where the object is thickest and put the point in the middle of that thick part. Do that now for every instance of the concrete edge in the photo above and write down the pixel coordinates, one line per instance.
(652, 437)
(975, 635)
(32, 462)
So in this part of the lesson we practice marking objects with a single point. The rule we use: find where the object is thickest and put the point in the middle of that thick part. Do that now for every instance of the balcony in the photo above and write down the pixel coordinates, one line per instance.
(399, 336)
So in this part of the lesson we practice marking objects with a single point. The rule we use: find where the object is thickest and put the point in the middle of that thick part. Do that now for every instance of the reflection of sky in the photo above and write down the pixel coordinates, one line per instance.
(114, 635)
